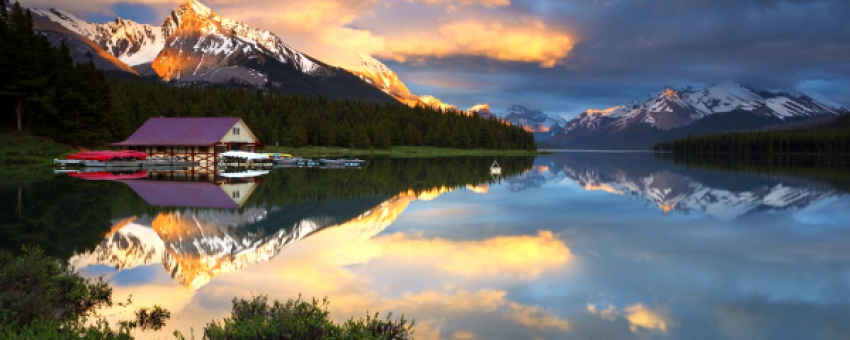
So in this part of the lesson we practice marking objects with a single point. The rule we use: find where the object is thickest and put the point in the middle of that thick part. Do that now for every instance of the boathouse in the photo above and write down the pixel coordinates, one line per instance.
(199, 139)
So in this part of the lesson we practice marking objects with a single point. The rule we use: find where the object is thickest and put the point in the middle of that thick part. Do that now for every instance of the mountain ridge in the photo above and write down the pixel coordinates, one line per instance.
(675, 113)
(196, 45)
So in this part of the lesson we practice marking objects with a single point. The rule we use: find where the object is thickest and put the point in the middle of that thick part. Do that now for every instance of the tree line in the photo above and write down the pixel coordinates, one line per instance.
(833, 138)
(297, 121)
(42, 89)
(74, 103)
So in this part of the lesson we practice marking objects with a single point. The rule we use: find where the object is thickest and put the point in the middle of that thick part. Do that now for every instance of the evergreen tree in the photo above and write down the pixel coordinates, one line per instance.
(361, 138)
(298, 136)
(412, 135)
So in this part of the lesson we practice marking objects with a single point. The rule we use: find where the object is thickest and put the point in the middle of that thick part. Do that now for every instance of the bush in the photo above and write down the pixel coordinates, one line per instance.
(300, 319)
(42, 298)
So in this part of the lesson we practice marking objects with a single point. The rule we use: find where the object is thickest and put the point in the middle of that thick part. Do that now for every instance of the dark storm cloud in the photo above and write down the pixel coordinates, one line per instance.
(628, 48)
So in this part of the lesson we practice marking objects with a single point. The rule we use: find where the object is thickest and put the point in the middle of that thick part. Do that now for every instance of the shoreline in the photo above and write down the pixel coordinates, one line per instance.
(23, 150)
(398, 152)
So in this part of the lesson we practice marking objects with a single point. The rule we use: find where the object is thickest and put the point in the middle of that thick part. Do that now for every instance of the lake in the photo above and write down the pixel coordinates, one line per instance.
(562, 246)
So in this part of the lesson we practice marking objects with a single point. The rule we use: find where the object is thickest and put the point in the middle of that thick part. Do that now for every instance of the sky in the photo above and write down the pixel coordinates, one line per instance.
(560, 56)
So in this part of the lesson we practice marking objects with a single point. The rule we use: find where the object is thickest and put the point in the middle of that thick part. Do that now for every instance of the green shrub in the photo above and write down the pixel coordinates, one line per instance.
(42, 298)
(300, 319)
(36, 287)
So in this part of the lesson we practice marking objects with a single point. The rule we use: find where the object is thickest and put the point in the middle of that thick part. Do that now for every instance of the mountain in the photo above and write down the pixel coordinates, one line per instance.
(671, 114)
(130, 42)
(379, 75)
(196, 45)
(382, 77)
(482, 110)
(81, 48)
(542, 125)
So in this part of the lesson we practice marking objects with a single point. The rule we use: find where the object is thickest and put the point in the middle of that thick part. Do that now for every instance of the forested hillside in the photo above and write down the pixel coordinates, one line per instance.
(825, 138)
(76, 104)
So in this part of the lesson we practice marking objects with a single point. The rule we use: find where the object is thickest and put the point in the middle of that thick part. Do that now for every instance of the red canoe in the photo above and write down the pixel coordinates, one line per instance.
(108, 176)
(109, 155)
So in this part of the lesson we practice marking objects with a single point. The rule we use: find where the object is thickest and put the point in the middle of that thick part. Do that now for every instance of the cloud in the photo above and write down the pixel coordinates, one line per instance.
(537, 318)
(607, 313)
(485, 3)
(638, 316)
(524, 41)
(525, 256)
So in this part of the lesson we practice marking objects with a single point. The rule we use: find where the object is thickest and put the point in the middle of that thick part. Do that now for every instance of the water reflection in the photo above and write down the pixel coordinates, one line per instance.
(582, 246)
(676, 188)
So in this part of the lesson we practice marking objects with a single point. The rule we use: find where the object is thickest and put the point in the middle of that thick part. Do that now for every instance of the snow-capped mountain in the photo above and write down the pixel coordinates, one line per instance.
(482, 110)
(199, 40)
(533, 120)
(129, 41)
(435, 103)
(194, 44)
(670, 114)
(379, 75)
(81, 48)
(214, 37)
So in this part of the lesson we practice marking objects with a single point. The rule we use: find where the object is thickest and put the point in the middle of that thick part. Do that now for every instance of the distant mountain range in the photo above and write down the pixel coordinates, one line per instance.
(673, 188)
(671, 114)
(542, 125)
(196, 45)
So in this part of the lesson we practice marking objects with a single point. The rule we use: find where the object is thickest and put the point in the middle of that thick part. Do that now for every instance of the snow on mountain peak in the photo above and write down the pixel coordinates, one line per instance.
(673, 109)
(480, 108)
(533, 120)
(614, 111)
(374, 72)
(199, 8)
(199, 40)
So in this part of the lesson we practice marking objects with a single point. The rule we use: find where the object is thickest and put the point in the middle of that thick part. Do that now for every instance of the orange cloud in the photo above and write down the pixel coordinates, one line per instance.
(455, 3)
(527, 256)
(524, 41)
(643, 317)
(638, 316)
(537, 318)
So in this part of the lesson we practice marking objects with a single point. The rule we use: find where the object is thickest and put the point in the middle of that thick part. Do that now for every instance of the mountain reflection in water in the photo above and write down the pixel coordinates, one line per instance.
(676, 188)
(569, 245)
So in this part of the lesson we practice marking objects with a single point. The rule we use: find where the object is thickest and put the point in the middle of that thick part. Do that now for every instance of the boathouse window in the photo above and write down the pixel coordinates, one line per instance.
(181, 149)
(160, 149)
(236, 131)
(235, 194)
(220, 149)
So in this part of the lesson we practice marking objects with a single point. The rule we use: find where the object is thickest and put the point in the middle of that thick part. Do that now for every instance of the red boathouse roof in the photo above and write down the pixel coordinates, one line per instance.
(193, 131)
(182, 194)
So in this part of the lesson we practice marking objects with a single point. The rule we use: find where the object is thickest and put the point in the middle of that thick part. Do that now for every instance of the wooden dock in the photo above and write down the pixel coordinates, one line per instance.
(321, 163)
(150, 163)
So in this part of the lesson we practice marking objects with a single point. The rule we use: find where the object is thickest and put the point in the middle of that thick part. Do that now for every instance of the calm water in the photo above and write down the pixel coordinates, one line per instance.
(567, 246)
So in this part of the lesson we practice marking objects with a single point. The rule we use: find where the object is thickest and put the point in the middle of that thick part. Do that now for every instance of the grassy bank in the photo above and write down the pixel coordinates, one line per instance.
(397, 151)
(24, 149)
